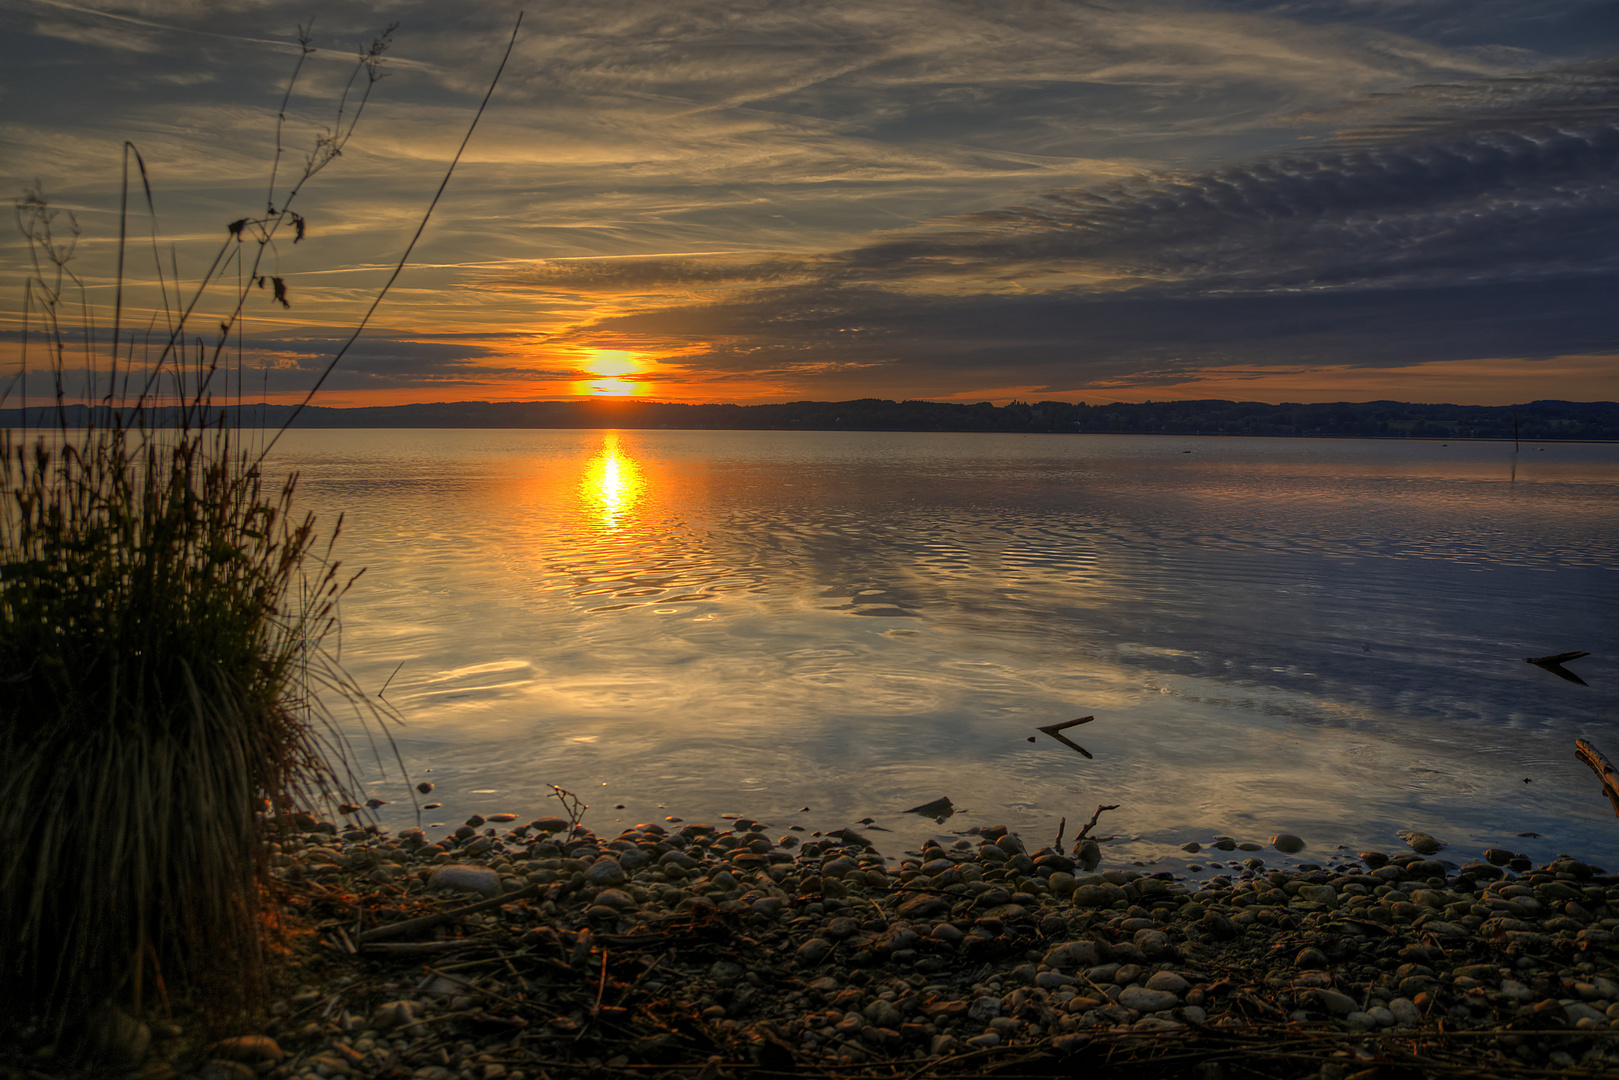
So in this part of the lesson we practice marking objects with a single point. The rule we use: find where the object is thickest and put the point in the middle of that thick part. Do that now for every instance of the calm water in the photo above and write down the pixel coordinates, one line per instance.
(1318, 636)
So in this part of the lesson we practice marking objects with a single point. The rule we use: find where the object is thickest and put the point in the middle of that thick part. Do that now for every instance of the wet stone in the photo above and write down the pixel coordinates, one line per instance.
(1422, 843)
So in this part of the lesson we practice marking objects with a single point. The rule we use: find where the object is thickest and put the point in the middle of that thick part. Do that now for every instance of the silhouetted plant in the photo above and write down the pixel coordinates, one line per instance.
(163, 614)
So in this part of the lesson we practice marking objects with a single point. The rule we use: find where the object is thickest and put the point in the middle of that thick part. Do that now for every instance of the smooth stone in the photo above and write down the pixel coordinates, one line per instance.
(814, 950)
(1421, 842)
(1310, 959)
(392, 1014)
(1405, 1011)
(548, 824)
(923, 906)
(1144, 1000)
(1497, 856)
(1319, 894)
(1073, 954)
(678, 858)
(461, 877)
(840, 867)
(984, 1009)
(249, 1048)
(725, 972)
(605, 872)
(1169, 982)
(116, 1035)
(1286, 843)
(1097, 896)
(1335, 1003)
(884, 1014)
(1157, 1023)
(1153, 943)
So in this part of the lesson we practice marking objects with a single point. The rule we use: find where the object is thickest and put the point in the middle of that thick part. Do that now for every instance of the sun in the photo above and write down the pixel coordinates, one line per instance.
(610, 366)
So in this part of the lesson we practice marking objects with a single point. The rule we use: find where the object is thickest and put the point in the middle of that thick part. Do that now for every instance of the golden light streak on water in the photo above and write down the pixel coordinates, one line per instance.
(613, 483)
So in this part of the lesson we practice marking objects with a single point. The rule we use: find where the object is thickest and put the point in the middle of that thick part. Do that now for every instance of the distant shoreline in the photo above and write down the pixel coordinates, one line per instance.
(1538, 421)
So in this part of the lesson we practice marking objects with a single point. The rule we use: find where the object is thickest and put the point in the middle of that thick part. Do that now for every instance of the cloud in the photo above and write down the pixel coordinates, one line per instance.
(642, 275)
(1435, 243)
(848, 193)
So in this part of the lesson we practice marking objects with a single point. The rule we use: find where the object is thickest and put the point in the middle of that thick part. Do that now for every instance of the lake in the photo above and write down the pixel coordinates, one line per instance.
(1319, 636)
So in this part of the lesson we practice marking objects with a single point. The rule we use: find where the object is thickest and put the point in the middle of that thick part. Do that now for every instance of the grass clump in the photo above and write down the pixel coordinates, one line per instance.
(157, 624)
(162, 617)
(163, 613)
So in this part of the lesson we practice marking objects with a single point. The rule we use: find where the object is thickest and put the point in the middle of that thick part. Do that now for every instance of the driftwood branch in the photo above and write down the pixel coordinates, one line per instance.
(1052, 729)
(412, 926)
(1560, 658)
(1079, 837)
(1554, 664)
(1056, 732)
(1599, 763)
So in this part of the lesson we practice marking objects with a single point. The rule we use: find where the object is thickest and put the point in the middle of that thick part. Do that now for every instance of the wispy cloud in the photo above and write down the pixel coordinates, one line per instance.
(925, 196)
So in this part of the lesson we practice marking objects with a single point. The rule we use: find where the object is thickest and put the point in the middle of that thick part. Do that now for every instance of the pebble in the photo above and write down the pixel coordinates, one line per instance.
(1421, 842)
(1145, 1000)
(1286, 843)
(249, 1048)
(984, 941)
(605, 872)
(462, 877)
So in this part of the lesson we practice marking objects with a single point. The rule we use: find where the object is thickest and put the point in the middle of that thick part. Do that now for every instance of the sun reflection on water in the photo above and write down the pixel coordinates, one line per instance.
(613, 483)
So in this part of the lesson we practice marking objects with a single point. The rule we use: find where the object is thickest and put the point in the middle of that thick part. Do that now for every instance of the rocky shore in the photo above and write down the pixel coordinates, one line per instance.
(694, 950)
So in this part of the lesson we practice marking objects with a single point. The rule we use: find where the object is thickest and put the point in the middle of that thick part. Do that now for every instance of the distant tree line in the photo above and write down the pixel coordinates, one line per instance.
(1537, 420)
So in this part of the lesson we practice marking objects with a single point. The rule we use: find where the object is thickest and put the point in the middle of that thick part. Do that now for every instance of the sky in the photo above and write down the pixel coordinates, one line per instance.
(711, 201)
